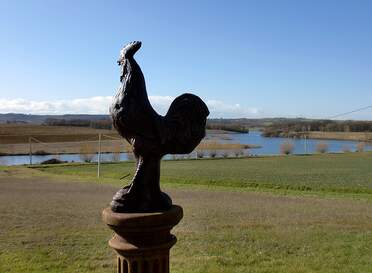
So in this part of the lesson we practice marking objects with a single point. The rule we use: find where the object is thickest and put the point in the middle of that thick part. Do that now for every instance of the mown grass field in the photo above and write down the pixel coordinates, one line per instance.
(50, 217)
(20, 133)
(14, 139)
(342, 173)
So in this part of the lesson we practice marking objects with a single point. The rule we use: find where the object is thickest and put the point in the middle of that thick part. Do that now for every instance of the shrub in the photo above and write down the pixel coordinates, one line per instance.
(86, 152)
(3, 161)
(286, 148)
(115, 156)
(322, 147)
(236, 152)
(131, 156)
(212, 153)
(360, 147)
(346, 149)
(53, 161)
(40, 152)
(200, 154)
(225, 154)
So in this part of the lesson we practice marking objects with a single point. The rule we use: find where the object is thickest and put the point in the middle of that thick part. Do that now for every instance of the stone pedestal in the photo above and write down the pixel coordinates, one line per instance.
(143, 240)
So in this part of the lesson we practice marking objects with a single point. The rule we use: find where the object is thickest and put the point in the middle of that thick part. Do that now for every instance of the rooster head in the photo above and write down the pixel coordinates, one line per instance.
(128, 51)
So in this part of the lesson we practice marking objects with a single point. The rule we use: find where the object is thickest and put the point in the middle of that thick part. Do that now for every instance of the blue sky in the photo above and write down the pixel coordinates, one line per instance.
(245, 58)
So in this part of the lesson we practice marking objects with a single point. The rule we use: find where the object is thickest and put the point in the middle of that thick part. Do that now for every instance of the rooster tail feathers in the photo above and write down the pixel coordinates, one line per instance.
(184, 124)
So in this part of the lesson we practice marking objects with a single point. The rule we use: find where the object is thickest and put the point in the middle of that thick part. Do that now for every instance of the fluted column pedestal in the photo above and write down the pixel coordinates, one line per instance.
(143, 240)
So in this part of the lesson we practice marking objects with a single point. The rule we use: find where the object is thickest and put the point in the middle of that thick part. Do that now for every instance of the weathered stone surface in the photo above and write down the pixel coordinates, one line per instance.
(143, 240)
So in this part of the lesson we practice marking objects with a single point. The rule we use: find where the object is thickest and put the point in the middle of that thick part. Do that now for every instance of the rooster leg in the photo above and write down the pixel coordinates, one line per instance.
(143, 194)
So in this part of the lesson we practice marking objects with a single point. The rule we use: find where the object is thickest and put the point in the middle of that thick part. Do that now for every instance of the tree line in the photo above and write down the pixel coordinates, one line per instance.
(96, 124)
(270, 127)
(286, 128)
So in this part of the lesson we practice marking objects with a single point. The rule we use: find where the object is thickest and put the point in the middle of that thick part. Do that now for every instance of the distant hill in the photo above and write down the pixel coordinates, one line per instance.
(244, 124)
(273, 126)
(40, 119)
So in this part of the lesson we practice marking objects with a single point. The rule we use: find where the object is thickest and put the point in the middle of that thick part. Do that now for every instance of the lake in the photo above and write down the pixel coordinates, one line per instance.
(269, 146)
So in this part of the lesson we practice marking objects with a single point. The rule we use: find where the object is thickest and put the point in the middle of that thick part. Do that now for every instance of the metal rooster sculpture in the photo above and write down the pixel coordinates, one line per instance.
(151, 135)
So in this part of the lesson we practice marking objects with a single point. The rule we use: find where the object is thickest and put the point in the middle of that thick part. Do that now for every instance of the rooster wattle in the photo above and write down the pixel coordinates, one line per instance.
(151, 135)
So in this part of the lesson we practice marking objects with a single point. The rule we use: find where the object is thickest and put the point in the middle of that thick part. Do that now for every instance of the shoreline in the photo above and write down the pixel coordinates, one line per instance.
(346, 136)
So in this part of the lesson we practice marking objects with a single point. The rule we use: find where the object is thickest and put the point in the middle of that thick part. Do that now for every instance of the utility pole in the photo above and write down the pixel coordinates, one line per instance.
(30, 148)
(99, 155)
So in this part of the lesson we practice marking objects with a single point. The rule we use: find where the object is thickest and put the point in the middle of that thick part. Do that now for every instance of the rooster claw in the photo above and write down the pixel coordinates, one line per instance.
(126, 200)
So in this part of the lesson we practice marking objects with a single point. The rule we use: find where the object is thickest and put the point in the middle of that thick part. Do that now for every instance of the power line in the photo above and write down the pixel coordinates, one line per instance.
(350, 112)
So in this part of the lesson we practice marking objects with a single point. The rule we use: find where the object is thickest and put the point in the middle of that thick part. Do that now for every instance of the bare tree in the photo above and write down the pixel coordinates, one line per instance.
(213, 153)
(360, 147)
(87, 152)
(200, 153)
(115, 156)
(286, 148)
(322, 147)
(346, 149)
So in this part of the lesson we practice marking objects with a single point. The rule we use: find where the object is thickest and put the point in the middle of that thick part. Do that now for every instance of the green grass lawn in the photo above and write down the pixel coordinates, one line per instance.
(343, 173)
(50, 216)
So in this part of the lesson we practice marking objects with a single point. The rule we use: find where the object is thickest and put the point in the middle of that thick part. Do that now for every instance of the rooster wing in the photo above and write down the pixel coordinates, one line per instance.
(183, 127)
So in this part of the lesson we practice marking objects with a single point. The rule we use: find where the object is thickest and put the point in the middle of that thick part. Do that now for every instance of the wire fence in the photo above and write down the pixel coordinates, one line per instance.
(98, 148)
(108, 148)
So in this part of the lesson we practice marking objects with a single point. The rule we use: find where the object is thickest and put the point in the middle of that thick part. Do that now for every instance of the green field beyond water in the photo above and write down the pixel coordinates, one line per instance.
(237, 217)
(342, 173)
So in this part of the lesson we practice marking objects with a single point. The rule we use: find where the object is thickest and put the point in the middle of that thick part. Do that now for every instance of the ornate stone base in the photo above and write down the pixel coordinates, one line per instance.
(143, 240)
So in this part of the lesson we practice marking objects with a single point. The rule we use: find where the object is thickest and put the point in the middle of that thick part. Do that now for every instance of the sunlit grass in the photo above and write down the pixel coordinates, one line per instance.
(342, 173)
(56, 227)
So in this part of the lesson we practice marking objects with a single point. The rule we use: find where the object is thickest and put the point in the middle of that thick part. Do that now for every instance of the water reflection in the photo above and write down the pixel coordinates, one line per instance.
(271, 146)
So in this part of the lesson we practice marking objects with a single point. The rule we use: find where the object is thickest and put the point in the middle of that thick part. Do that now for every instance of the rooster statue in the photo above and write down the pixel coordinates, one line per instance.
(151, 135)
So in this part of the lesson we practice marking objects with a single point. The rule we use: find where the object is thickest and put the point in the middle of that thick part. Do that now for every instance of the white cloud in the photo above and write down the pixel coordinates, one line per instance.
(93, 105)
(161, 103)
(220, 109)
(100, 105)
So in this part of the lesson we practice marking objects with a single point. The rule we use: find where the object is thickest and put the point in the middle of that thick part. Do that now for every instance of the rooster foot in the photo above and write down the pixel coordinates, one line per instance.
(128, 200)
